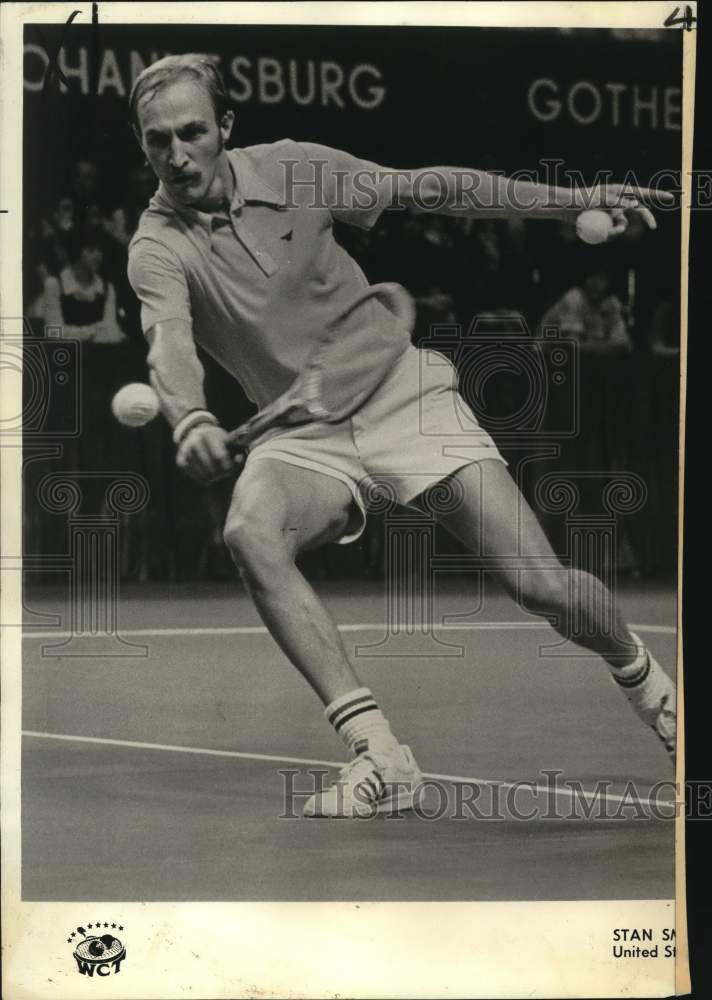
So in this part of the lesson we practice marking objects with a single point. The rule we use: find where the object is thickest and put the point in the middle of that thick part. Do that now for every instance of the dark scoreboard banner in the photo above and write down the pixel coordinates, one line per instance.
(493, 98)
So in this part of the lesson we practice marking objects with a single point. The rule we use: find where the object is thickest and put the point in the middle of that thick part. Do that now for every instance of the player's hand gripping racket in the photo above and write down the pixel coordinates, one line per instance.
(342, 372)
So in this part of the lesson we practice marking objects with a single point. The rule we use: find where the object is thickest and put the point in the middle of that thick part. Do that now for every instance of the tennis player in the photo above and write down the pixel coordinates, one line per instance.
(236, 252)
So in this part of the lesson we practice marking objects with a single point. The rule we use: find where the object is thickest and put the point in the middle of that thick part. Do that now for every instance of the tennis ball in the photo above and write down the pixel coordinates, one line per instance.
(594, 226)
(135, 404)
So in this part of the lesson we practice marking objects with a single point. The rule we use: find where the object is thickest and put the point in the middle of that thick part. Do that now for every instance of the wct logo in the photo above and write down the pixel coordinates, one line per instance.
(100, 953)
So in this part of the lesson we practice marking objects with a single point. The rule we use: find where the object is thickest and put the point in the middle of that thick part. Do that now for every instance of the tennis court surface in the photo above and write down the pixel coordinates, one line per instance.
(167, 776)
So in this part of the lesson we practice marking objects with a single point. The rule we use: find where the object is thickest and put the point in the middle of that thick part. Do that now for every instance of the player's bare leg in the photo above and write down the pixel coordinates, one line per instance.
(494, 521)
(279, 510)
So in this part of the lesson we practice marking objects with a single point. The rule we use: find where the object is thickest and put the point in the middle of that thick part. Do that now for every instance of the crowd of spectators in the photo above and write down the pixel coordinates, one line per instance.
(76, 252)
(611, 299)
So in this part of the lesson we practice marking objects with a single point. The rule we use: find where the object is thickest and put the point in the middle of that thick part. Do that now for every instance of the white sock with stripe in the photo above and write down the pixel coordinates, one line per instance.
(359, 722)
(643, 682)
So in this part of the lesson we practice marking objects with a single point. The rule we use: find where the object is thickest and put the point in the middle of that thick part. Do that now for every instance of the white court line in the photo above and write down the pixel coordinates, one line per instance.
(455, 778)
(360, 627)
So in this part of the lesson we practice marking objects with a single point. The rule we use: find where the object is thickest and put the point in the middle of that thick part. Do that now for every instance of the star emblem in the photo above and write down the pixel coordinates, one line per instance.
(90, 925)
(113, 925)
(120, 928)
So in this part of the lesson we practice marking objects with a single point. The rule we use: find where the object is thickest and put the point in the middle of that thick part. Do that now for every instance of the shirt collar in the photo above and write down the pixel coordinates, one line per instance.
(249, 188)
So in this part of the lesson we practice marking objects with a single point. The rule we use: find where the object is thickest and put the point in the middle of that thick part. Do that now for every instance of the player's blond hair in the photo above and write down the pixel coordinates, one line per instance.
(171, 68)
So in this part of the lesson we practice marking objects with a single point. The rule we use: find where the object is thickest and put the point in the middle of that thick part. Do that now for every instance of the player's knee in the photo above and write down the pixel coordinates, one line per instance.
(545, 591)
(253, 545)
(236, 536)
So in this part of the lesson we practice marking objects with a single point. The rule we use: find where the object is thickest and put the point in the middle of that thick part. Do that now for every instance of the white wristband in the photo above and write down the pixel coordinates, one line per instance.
(191, 420)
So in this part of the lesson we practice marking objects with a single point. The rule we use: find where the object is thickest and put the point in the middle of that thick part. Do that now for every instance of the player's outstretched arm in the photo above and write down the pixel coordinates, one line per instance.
(357, 191)
(483, 195)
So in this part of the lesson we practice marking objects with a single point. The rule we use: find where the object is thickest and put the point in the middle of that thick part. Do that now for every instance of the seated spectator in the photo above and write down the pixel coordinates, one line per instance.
(61, 218)
(114, 259)
(591, 313)
(50, 238)
(79, 299)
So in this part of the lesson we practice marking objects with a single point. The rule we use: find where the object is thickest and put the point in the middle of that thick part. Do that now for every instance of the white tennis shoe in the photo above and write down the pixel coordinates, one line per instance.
(662, 717)
(665, 724)
(373, 782)
(655, 705)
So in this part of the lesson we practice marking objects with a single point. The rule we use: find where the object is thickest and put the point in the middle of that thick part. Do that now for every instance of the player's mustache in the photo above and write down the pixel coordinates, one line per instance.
(182, 177)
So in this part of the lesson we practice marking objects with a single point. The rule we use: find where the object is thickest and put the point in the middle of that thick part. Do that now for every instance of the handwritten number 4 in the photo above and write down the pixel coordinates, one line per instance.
(687, 20)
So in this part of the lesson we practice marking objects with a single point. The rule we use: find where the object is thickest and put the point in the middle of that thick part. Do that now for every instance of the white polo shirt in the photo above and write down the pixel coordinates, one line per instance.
(261, 283)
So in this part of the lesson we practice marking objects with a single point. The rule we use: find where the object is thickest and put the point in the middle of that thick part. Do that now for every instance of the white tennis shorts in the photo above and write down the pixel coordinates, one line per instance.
(412, 432)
